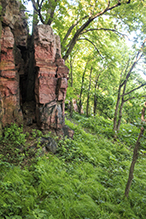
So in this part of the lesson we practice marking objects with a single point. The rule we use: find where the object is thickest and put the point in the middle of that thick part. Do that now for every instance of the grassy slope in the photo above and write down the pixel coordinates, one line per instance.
(85, 179)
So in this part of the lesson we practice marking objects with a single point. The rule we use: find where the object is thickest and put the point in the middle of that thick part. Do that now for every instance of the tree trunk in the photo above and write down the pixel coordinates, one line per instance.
(120, 115)
(80, 97)
(121, 108)
(35, 20)
(116, 109)
(134, 159)
(95, 104)
(71, 84)
(135, 156)
(83, 27)
(95, 97)
(88, 96)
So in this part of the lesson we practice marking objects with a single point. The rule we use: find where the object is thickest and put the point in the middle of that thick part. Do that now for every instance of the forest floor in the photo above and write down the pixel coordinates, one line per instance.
(86, 178)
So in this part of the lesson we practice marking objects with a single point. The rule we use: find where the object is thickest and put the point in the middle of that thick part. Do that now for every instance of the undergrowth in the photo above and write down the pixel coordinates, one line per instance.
(85, 179)
(17, 147)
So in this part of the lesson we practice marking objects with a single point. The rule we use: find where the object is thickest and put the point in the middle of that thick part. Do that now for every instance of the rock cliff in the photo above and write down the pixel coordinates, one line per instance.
(50, 80)
(13, 34)
(33, 76)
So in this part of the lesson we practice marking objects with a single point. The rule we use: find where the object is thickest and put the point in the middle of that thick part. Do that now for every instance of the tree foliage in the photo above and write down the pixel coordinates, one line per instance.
(98, 34)
(74, 22)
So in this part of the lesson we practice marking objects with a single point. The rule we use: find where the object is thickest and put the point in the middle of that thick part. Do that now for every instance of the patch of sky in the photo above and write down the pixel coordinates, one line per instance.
(29, 11)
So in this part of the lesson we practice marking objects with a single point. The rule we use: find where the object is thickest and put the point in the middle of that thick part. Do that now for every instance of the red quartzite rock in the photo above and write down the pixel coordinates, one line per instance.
(21, 64)
(51, 79)
(9, 83)
(13, 33)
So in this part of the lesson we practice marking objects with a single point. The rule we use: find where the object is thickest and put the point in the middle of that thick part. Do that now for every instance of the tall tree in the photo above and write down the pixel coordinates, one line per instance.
(74, 22)
(122, 94)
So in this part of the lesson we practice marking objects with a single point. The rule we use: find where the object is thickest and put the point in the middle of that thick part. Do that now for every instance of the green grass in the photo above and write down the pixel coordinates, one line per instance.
(86, 179)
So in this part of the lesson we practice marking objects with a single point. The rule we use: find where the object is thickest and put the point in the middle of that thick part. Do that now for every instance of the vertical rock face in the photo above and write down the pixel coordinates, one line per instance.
(33, 76)
(13, 34)
(9, 83)
(51, 79)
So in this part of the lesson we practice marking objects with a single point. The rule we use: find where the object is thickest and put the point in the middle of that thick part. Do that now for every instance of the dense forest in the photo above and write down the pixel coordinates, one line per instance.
(99, 173)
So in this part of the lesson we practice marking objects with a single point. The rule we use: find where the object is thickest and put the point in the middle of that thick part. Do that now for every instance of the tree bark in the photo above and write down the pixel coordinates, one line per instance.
(120, 115)
(135, 155)
(134, 159)
(121, 108)
(116, 109)
(88, 96)
(95, 97)
(80, 97)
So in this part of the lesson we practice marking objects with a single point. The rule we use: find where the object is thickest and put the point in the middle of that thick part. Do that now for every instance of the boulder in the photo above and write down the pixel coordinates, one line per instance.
(68, 132)
(49, 144)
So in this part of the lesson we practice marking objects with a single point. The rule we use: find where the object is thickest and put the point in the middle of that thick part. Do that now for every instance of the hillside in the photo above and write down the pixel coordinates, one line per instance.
(86, 178)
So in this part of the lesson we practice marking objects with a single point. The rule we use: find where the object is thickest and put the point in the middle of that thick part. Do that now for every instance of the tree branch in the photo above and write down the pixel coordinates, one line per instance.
(52, 11)
(37, 8)
(134, 89)
(131, 98)
(93, 45)
(106, 29)
(86, 24)
(71, 28)
(34, 5)
(137, 58)
(41, 4)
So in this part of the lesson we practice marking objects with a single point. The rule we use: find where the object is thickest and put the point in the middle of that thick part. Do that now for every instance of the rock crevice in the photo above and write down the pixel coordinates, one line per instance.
(33, 76)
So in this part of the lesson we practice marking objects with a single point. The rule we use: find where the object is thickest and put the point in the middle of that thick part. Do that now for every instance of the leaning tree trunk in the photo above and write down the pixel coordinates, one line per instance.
(88, 96)
(135, 156)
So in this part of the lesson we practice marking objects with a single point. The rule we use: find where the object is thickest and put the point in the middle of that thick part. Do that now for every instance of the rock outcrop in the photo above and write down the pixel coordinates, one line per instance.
(51, 79)
(13, 34)
(33, 76)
